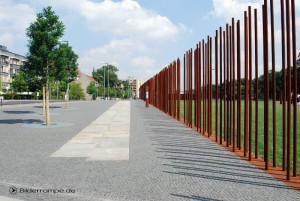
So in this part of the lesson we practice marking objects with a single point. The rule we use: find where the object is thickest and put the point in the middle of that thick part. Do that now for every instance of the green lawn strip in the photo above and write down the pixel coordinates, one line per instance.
(279, 124)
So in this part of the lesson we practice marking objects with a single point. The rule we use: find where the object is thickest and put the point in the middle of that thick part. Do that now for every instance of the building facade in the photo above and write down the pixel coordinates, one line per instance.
(85, 80)
(10, 64)
(135, 86)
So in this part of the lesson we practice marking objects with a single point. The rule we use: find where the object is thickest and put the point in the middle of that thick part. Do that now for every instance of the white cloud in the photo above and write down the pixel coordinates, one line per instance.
(142, 62)
(14, 19)
(125, 18)
(233, 8)
(125, 54)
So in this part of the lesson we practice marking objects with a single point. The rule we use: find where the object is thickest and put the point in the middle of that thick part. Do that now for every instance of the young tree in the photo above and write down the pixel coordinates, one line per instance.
(42, 59)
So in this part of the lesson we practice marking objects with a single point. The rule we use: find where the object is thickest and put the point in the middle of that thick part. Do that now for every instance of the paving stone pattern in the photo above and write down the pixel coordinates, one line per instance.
(167, 161)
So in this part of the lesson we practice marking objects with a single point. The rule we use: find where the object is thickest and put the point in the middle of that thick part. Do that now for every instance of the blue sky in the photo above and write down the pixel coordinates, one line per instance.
(140, 37)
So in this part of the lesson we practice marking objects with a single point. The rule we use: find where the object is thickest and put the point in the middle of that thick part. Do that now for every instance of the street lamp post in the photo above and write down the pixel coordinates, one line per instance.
(104, 79)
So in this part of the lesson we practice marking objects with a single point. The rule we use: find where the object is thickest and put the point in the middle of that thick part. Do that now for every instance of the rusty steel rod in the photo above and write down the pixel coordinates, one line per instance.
(284, 86)
(250, 82)
(228, 85)
(178, 89)
(239, 115)
(288, 41)
(216, 84)
(273, 80)
(204, 86)
(200, 88)
(184, 69)
(246, 115)
(233, 71)
(256, 82)
(225, 86)
(295, 89)
(221, 88)
(210, 86)
(266, 82)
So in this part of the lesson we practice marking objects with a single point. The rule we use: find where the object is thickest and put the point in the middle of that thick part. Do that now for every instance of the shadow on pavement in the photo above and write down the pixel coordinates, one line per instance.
(51, 107)
(194, 197)
(20, 121)
(18, 112)
(189, 154)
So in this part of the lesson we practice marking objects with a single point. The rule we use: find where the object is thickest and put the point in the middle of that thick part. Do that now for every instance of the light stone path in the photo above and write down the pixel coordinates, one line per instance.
(107, 138)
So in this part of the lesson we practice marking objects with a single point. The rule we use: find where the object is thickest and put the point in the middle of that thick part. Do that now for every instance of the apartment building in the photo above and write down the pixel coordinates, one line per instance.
(10, 64)
(135, 86)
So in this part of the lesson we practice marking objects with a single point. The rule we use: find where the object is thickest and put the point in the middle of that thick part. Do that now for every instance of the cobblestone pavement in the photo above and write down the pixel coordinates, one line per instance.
(167, 161)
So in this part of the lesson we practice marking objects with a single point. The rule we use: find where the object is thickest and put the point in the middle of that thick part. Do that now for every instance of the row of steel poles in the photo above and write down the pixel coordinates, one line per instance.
(234, 92)
(164, 90)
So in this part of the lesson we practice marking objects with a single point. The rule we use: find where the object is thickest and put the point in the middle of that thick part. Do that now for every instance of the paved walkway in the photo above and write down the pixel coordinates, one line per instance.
(107, 138)
(167, 161)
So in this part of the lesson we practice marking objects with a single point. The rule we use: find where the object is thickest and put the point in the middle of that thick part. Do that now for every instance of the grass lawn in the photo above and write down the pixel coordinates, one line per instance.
(279, 125)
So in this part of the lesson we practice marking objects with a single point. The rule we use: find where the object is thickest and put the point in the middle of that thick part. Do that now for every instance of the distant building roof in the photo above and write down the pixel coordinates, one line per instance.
(80, 74)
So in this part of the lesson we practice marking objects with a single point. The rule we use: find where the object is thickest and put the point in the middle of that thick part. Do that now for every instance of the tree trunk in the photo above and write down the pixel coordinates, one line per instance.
(47, 104)
(44, 94)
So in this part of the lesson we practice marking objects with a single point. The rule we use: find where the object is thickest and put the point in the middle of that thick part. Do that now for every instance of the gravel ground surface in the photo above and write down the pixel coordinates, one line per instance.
(168, 161)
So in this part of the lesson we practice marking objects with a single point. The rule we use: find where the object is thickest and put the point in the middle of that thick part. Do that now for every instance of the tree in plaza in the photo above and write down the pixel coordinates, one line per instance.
(67, 66)
(43, 56)
(19, 83)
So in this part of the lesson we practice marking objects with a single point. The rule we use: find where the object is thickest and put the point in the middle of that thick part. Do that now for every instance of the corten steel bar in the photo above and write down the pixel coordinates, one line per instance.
(230, 86)
(221, 88)
(284, 87)
(211, 91)
(266, 76)
(216, 84)
(184, 98)
(191, 87)
(295, 89)
(273, 81)
(209, 88)
(200, 87)
(195, 88)
(239, 126)
(178, 89)
(225, 86)
(246, 115)
(167, 87)
(174, 90)
(233, 71)
(256, 81)
(250, 81)
(204, 85)
(288, 40)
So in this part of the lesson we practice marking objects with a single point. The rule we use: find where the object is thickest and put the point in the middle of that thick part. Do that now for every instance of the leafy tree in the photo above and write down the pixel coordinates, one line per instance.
(43, 59)
(111, 77)
(19, 83)
(92, 89)
(76, 91)
(67, 65)
(1, 85)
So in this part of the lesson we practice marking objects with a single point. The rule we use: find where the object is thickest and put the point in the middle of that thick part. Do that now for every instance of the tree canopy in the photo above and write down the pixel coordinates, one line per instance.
(110, 73)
